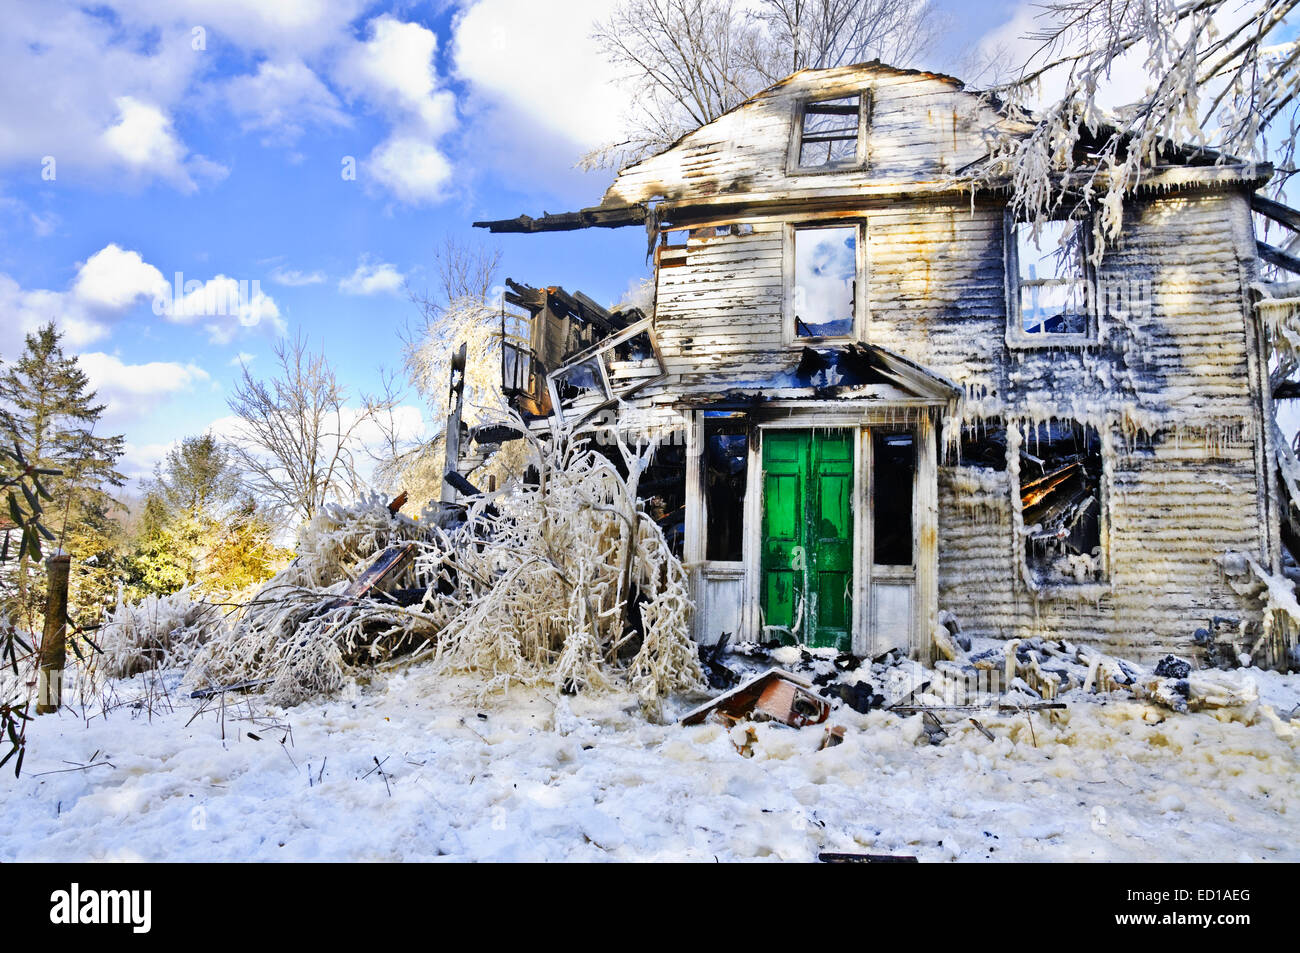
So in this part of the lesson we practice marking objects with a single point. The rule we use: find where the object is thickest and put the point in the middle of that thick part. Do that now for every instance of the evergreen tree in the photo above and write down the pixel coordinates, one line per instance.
(196, 529)
(49, 412)
(199, 477)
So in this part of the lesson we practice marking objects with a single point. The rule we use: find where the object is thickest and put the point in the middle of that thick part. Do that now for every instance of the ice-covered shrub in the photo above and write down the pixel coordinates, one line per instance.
(157, 632)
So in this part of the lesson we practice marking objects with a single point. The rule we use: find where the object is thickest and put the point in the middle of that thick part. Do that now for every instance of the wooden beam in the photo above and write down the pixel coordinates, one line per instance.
(1282, 214)
(1276, 256)
(597, 217)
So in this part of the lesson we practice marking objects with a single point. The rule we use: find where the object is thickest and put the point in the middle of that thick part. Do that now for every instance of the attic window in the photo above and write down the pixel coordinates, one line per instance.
(829, 132)
(824, 287)
(1049, 301)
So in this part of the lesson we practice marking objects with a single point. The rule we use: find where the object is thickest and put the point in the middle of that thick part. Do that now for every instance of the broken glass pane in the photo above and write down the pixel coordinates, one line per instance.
(1052, 297)
(825, 281)
(582, 377)
(830, 132)
(893, 477)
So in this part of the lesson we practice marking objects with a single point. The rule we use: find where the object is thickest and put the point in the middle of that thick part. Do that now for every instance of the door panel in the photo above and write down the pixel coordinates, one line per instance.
(807, 551)
(831, 546)
(785, 458)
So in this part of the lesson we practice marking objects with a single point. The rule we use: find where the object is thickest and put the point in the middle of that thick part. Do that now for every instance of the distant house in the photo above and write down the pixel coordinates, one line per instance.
(899, 403)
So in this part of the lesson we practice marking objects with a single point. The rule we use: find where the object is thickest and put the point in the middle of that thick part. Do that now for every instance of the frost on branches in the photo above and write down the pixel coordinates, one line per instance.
(564, 582)
(1220, 77)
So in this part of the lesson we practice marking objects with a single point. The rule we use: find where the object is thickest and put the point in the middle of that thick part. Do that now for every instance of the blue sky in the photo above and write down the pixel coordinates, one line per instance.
(141, 139)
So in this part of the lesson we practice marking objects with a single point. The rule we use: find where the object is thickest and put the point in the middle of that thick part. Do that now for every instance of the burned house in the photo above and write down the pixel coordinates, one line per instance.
(898, 400)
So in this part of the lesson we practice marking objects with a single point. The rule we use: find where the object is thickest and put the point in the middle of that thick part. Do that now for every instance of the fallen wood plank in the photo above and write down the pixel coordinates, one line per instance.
(380, 575)
(383, 570)
(775, 695)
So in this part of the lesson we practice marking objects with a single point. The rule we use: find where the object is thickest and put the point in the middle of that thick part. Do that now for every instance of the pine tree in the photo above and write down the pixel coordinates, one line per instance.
(199, 477)
(49, 411)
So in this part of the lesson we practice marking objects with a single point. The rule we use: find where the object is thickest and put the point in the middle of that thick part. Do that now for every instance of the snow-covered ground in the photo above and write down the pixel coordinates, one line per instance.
(539, 776)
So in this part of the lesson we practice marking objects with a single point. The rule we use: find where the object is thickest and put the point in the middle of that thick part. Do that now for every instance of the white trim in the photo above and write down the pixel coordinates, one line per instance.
(861, 304)
(922, 575)
(1017, 337)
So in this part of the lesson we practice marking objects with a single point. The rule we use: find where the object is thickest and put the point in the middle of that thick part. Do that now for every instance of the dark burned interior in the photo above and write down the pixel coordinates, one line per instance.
(663, 493)
(726, 469)
(982, 444)
(1060, 497)
(556, 329)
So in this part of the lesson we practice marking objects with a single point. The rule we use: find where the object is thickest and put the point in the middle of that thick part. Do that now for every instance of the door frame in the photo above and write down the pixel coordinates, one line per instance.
(804, 415)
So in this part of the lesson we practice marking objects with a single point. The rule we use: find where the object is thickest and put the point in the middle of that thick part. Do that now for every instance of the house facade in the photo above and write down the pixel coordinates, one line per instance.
(902, 406)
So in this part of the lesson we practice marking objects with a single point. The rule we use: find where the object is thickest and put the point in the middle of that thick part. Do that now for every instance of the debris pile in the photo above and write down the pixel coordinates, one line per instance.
(562, 581)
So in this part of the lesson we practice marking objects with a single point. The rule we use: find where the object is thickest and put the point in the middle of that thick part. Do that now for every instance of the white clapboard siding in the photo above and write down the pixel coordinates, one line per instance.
(936, 294)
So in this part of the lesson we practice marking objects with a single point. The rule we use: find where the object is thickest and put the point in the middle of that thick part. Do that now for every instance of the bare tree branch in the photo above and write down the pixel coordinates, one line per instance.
(299, 441)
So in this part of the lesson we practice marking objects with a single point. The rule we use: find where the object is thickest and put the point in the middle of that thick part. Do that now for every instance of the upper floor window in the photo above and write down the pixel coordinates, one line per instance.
(1048, 297)
(830, 133)
(824, 297)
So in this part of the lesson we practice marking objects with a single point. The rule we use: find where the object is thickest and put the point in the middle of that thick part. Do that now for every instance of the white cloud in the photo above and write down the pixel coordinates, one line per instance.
(44, 225)
(292, 278)
(281, 99)
(575, 96)
(108, 89)
(301, 27)
(371, 279)
(115, 278)
(143, 138)
(99, 87)
(138, 460)
(242, 358)
(69, 75)
(133, 390)
(414, 170)
(393, 71)
(234, 303)
(106, 285)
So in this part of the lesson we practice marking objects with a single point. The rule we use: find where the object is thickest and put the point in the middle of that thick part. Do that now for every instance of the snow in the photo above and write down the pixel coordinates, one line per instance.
(534, 775)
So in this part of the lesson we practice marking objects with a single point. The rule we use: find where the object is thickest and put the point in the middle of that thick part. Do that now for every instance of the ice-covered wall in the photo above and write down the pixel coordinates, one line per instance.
(1171, 383)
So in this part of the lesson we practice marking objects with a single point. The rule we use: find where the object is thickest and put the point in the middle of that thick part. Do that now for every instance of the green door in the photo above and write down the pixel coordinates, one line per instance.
(807, 555)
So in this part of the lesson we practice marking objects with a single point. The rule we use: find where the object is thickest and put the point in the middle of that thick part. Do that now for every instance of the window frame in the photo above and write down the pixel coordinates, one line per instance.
(600, 354)
(861, 312)
(1030, 581)
(1016, 335)
(859, 160)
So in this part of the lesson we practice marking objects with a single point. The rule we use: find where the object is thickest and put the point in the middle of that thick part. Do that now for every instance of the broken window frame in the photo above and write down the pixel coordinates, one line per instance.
(601, 353)
(1017, 336)
(860, 307)
(1037, 579)
(795, 165)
